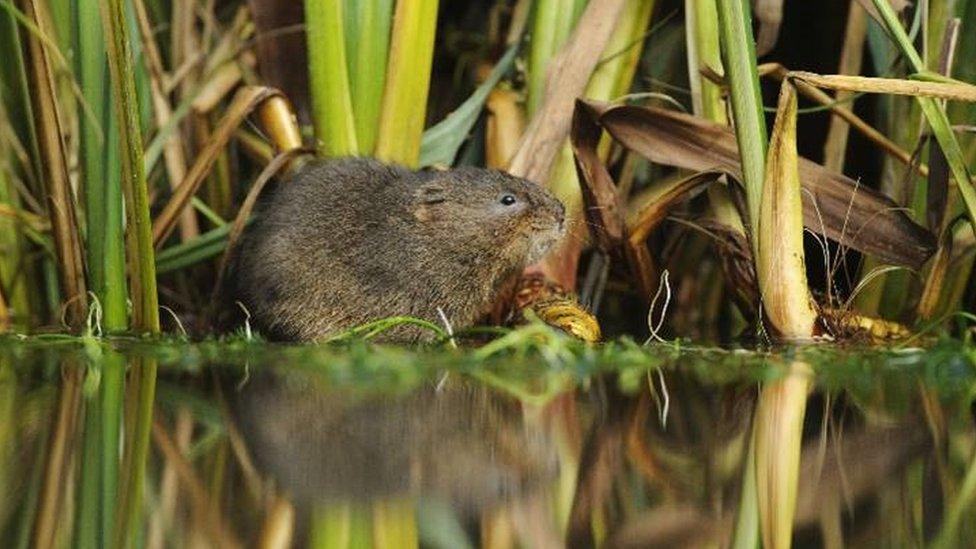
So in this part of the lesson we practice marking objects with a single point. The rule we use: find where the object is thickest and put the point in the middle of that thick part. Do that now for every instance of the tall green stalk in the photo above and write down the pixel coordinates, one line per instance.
(704, 51)
(103, 190)
(367, 31)
(934, 113)
(739, 52)
(16, 113)
(145, 315)
(142, 276)
(331, 103)
(404, 109)
(106, 262)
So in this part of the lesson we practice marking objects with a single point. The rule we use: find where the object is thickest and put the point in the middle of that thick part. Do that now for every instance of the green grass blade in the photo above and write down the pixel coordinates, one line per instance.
(704, 51)
(442, 141)
(739, 52)
(367, 46)
(103, 188)
(142, 276)
(934, 113)
(407, 82)
(331, 103)
(145, 317)
(112, 391)
(201, 248)
(14, 86)
(88, 522)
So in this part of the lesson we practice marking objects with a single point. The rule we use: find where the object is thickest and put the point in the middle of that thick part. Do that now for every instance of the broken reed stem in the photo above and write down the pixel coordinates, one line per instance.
(54, 174)
(568, 74)
(893, 86)
(173, 148)
(245, 101)
(851, 57)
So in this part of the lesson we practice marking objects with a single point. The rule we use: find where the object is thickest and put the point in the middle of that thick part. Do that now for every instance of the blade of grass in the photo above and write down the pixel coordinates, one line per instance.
(88, 520)
(934, 113)
(103, 192)
(442, 141)
(142, 273)
(173, 147)
(332, 111)
(107, 269)
(245, 101)
(739, 54)
(852, 54)
(54, 163)
(404, 108)
(367, 47)
(704, 51)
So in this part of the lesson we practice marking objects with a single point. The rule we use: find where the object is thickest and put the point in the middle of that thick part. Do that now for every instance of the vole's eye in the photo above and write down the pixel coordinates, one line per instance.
(508, 199)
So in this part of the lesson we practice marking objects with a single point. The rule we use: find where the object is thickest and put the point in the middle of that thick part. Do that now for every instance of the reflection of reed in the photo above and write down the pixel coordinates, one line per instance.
(642, 484)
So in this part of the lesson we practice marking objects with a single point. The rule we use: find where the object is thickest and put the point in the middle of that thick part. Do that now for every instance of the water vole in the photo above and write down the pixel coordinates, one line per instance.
(347, 241)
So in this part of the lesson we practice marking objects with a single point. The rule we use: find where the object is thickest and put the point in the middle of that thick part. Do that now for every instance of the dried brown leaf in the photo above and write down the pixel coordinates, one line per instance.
(835, 205)
(246, 100)
(567, 77)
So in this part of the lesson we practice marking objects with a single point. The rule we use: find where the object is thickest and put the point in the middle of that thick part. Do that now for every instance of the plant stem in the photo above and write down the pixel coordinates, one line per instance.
(331, 103)
(739, 52)
(367, 46)
(404, 110)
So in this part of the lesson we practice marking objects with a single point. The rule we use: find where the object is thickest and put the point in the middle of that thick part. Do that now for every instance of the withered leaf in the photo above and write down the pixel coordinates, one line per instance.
(833, 204)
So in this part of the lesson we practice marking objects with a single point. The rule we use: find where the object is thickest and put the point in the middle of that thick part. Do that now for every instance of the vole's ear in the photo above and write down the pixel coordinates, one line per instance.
(431, 192)
(427, 198)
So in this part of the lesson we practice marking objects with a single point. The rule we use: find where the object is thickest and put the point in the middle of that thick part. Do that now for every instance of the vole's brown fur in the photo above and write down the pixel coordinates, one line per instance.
(348, 241)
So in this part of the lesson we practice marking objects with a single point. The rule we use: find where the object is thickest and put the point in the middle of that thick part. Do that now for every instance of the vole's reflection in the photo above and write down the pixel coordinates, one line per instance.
(458, 444)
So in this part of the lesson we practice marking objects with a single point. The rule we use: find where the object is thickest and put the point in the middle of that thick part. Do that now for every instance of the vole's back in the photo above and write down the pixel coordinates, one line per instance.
(303, 248)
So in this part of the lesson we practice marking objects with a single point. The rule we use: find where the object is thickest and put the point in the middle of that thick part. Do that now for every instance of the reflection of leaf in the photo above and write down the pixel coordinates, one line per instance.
(845, 211)
(441, 141)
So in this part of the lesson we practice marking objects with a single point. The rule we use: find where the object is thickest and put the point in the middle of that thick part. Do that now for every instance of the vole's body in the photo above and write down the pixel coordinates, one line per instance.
(348, 241)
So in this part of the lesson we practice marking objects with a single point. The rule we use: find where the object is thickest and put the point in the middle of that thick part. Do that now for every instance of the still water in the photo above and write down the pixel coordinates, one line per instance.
(520, 443)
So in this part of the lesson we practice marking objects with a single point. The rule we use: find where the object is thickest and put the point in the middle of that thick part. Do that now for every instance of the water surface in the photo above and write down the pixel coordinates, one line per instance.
(529, 441)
